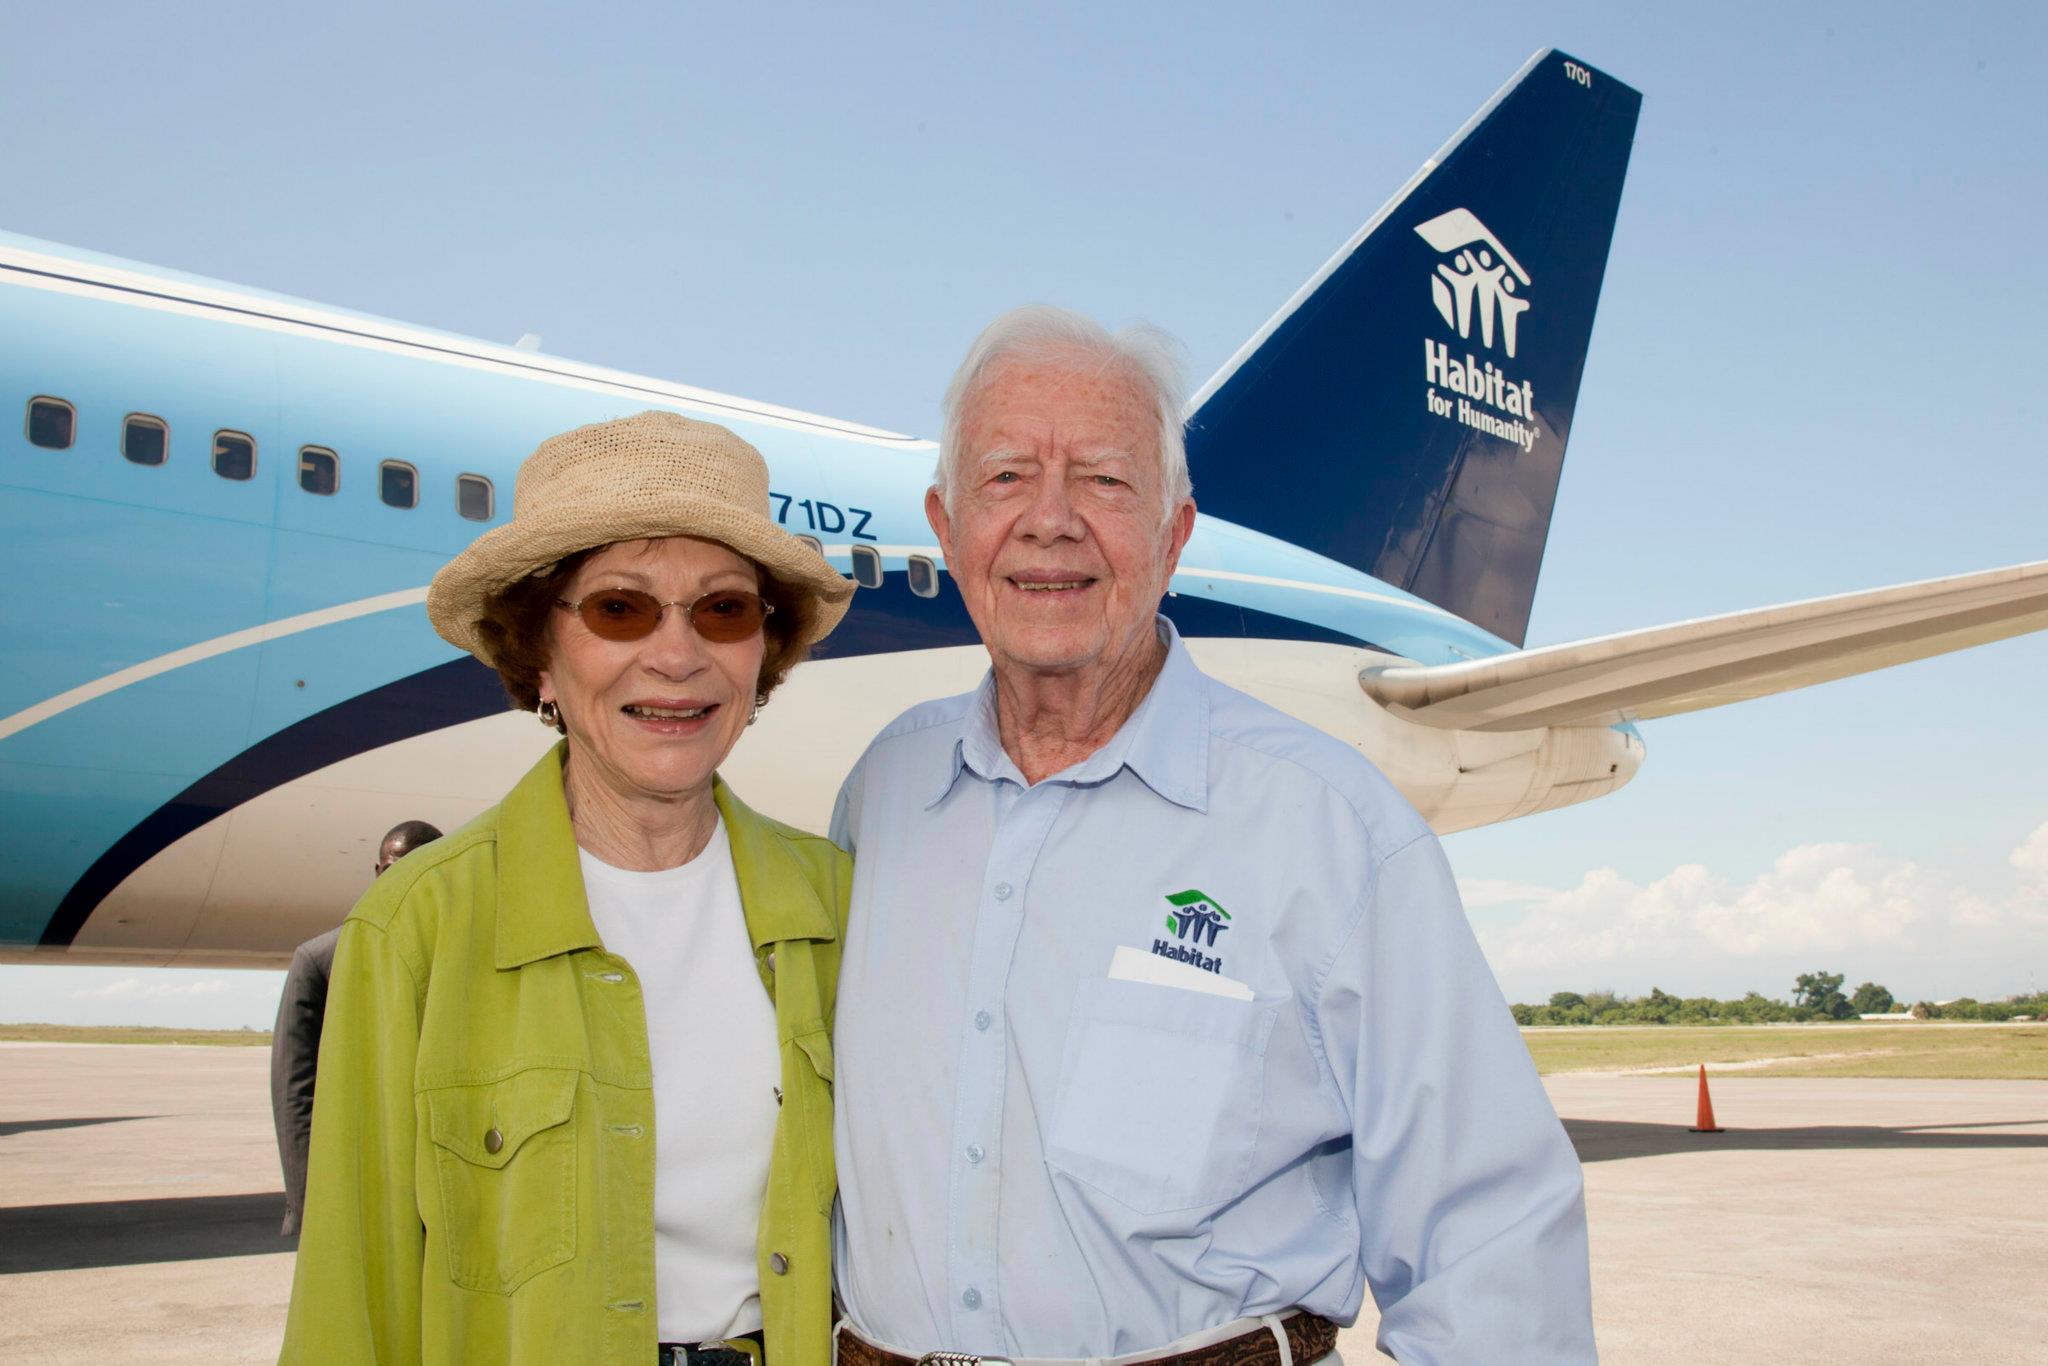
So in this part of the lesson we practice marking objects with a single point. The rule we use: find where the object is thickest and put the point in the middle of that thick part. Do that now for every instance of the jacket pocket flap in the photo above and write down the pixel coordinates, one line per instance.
(817, 1046)
(486, 1124)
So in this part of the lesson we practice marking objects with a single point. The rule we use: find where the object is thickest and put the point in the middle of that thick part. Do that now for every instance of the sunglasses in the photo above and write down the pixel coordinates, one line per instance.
(722, 616)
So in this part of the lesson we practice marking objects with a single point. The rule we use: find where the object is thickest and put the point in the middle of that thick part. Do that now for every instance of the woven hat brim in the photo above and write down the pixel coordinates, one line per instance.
(519, 549)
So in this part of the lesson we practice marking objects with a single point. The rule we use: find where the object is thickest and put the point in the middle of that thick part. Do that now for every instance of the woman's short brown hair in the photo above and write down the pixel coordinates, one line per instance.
(514, 629)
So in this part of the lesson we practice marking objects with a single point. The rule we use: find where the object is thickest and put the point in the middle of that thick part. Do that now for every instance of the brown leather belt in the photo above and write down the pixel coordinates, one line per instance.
(1310, 1338)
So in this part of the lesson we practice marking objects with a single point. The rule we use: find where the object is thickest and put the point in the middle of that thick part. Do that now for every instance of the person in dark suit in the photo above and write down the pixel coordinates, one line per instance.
(295, 1042)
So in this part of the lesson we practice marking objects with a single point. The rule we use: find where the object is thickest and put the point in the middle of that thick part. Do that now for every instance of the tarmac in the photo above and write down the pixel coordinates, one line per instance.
(1834, 1221)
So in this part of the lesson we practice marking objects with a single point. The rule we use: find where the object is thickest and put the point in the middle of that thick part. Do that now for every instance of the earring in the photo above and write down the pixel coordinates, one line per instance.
(550, 715)
(760, 701)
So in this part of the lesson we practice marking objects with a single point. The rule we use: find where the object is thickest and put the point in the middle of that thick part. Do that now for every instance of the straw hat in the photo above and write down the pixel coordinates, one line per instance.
(654, 474)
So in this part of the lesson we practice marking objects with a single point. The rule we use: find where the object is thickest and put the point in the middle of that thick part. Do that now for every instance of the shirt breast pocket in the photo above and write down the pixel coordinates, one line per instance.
(505, 1160)
(1161, 1094)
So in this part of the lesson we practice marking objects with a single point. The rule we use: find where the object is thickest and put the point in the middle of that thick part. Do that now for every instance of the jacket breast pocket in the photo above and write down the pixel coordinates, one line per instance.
(1161, 1094)
(505, 1162)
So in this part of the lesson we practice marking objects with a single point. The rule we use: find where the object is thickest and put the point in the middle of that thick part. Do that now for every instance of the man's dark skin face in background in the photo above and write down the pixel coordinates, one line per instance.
(401, 840)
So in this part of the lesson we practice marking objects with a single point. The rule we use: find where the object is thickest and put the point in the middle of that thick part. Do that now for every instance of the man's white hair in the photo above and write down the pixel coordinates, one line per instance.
(1040, 334)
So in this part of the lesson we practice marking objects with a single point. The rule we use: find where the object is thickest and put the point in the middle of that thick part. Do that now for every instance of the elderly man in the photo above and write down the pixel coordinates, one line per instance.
(1161, 1032)
(295, 1041)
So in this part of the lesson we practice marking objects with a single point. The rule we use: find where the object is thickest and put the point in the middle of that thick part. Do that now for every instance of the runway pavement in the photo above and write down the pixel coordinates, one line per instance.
(1836, 1221)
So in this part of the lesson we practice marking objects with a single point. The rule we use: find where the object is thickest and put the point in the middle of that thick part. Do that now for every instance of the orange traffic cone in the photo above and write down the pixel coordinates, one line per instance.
(1705, 1123)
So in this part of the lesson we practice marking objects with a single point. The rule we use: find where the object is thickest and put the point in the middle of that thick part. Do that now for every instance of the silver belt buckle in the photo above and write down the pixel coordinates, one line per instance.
(960, 1359)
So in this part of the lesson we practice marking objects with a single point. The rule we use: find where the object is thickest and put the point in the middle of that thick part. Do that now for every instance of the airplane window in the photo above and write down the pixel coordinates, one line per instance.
(814, 543)
(319, 470)
(867, 566)
(145, 440)
(51, 423)
(924, 576)
(234, 455)
(398, 484)
(473, 497)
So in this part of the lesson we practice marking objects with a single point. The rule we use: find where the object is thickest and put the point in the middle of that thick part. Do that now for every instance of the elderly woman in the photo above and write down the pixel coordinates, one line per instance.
(574, 1101)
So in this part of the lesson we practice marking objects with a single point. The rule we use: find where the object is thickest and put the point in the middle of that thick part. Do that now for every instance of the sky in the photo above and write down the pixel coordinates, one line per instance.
(1817, 366)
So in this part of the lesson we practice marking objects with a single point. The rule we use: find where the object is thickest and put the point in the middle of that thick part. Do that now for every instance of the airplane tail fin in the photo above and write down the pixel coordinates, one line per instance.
(1406, 412)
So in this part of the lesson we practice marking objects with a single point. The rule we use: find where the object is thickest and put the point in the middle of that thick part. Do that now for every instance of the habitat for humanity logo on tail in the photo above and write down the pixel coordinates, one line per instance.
(1477, 286)
(1196, 919)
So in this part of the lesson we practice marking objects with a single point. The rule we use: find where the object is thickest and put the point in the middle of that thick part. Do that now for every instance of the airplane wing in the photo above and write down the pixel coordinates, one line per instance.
(1716, 660)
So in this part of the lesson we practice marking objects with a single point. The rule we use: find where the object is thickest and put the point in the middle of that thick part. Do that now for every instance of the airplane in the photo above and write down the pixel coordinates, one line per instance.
(223, 507)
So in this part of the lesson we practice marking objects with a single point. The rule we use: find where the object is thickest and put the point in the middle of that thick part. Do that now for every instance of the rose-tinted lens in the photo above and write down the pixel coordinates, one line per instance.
(727, 616)
(620, 613)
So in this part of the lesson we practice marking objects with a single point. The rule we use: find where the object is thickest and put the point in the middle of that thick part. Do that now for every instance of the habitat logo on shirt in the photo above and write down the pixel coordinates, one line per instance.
(1196, 919)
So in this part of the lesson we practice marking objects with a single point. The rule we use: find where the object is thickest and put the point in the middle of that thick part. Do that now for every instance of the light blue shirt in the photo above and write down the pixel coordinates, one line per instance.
(1038, 1158)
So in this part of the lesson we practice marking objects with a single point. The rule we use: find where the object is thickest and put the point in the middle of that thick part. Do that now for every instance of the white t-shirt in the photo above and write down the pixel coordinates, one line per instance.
(711, 1038)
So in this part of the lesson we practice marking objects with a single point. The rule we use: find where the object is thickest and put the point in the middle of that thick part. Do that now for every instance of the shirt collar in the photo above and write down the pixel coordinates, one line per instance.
(1165, 742)
(542, 910)
(541, 907)
(779, 897)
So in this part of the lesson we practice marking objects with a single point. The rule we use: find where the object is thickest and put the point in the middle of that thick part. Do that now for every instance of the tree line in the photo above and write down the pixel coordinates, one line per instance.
(1816, 996)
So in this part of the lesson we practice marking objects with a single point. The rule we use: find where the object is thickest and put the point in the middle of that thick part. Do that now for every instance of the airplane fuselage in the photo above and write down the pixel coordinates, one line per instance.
(222, 686)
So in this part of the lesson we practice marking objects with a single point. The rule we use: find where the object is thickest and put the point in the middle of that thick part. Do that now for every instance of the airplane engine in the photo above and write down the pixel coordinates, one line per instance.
(1502, 775)
(1457, 779)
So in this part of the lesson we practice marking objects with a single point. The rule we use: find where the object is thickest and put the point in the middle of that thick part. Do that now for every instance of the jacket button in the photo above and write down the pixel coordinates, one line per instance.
(771, 960)
(494, 1142)
(778, 1263)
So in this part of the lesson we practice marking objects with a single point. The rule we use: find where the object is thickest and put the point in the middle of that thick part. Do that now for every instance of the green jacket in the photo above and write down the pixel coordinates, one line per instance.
(482, 1180)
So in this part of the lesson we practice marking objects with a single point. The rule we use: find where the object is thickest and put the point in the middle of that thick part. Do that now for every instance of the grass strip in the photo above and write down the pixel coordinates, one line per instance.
(1963, 1051)
(50, 1033)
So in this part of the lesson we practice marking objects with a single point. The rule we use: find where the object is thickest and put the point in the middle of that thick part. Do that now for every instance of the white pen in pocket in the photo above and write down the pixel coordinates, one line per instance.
(1136, 965)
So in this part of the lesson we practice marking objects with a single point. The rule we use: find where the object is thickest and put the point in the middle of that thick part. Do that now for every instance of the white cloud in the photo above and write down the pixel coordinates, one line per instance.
(2031, 858)
(178, 998)
(1479, 893)
(1845, 904)
(135, 989)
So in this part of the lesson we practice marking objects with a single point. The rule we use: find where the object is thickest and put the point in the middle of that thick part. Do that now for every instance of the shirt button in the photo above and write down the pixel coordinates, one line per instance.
(974, 1152)
(1003, 890)
(982, 1019)
(972, 1298)
(494, 1142)
(778, 1264)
